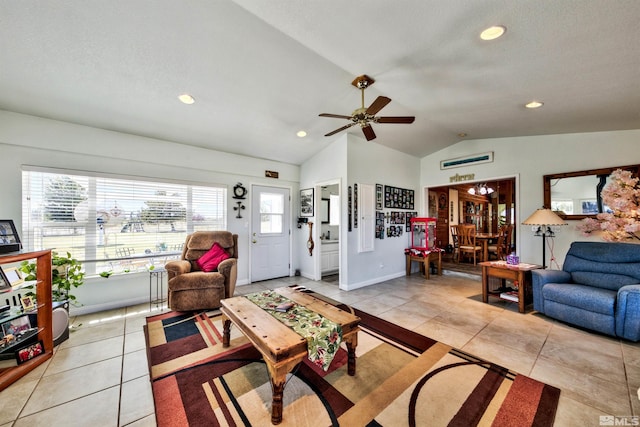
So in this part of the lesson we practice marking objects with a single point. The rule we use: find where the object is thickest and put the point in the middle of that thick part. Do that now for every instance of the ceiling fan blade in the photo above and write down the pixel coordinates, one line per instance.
(336, 116)
(340, 129)
(405, 119)
(378, 105)
(368, 132)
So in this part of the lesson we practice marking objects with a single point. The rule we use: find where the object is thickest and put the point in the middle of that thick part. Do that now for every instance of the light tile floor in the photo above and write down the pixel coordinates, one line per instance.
(99, 377)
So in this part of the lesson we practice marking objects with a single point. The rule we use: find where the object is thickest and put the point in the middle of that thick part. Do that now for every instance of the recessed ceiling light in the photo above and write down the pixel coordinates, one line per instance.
(185, 98)
(493, 33)
(534, 104)
(301, 133)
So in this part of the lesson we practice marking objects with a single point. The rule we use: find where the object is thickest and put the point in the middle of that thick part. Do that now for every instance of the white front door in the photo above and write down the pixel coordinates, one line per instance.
(270, 232)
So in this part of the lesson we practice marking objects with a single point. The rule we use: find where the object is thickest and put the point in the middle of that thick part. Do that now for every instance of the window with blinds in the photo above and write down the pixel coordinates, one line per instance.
(115, 224)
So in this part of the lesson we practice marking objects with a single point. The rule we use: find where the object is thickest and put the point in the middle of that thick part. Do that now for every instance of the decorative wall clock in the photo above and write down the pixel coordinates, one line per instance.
(239, 192)
(310, 243)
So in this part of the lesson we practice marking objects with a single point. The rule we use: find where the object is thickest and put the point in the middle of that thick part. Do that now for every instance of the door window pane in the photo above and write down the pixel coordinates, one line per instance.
(271, 213)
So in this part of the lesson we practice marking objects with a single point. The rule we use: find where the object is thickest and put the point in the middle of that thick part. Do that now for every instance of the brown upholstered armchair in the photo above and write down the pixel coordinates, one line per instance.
(192, 289)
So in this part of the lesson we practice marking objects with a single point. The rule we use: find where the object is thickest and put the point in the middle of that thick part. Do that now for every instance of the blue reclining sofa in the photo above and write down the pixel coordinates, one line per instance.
(598, 288)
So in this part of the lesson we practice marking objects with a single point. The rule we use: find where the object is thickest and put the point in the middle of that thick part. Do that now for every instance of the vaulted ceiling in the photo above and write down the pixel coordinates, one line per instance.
(260, 71)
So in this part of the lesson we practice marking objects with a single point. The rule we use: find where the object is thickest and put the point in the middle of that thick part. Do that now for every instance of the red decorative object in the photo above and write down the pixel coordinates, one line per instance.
(210, 260)
(423, 233)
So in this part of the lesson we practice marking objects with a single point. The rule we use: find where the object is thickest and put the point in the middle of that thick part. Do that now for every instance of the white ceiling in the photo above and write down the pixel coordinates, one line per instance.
(262, 70)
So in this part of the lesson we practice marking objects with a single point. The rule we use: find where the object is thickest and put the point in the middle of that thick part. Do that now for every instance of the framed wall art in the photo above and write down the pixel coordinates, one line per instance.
(398, 198)
(306, 202)
(379, 196)
(349, 207)
(355, 205)
(408, 220)
(9, 239)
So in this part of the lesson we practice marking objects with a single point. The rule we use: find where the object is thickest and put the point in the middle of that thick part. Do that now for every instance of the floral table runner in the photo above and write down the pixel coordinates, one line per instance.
(323, 336)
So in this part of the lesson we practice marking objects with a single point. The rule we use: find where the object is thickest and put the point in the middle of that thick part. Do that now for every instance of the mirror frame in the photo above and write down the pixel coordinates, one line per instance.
(635, 169)
(325, 207)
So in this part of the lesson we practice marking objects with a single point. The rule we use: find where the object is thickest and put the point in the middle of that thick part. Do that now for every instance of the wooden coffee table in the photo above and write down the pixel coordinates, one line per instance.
(281, 347)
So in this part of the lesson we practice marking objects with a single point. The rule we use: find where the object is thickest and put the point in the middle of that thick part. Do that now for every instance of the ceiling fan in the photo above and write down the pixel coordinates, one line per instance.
(365, 116)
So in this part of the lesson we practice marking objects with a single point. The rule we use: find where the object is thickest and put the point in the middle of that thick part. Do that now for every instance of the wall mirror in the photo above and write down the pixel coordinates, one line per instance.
(324, 211)
(576, 195)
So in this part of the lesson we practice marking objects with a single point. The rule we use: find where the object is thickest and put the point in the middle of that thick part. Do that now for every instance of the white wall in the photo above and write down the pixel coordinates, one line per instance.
(329, 165)
(371, 163)
(529, 158)
(28, 140)
(351, 159)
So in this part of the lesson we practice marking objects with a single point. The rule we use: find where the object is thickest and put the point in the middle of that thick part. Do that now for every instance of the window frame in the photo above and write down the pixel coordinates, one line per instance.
(93, 263)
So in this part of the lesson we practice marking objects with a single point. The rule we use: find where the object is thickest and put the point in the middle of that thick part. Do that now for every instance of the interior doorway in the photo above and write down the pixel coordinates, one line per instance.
(329, 232)
(485, 204)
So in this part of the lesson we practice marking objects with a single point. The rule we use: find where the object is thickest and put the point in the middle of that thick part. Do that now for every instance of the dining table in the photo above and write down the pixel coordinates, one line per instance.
(484, 239)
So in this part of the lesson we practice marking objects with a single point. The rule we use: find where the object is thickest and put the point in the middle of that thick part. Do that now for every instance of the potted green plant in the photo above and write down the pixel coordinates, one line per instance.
(66, 273)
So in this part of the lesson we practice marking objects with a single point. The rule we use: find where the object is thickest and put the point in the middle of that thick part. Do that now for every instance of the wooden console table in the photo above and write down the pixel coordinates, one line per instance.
(520, 273)
(281, 347)
(435, 256)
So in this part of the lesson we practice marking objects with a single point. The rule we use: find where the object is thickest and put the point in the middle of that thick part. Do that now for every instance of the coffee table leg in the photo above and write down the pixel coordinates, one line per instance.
(351, 342)
(277, 386)
(226, 332)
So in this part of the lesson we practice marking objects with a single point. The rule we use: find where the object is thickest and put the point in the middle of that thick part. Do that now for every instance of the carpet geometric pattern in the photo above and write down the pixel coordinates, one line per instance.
(402, 379)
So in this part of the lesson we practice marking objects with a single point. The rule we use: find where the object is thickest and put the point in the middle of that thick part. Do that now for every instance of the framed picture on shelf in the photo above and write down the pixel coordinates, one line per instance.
(4, 285)
(15, 326)
(11, 276)
(9, 239)
(28, 303)
(29, 352)
(306, 202)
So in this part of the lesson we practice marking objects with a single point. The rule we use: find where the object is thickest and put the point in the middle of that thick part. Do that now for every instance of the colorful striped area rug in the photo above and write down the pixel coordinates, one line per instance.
(402, 379)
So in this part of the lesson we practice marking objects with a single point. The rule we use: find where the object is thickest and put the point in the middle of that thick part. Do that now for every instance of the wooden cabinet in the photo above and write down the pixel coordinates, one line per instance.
(329, 258)
(44, 310)
(474, 210)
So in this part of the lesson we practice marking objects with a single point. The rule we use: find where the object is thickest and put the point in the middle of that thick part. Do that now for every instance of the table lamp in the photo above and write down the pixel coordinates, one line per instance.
(544, 219)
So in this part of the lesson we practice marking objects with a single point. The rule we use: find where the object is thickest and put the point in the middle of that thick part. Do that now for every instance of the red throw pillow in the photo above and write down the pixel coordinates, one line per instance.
(214, 256)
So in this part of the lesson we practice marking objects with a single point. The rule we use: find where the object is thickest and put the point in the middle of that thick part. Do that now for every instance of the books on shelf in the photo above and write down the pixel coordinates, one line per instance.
(510, 295)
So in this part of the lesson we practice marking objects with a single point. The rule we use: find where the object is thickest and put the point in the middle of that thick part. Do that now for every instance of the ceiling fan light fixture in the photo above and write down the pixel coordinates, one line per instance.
(481, 189)
(185, 98)
(301, 134)
(365, 116)
(534, 104)
(493, 32)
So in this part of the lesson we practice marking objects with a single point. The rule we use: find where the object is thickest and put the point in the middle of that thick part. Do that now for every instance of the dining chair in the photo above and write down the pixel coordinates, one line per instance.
(468, 244)
(498, 248)
(507, 249)
(455, 241)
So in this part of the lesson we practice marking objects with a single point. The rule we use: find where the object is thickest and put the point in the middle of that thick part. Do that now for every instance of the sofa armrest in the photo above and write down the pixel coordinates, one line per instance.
(177, 267)
(539, 278)
(229, 269)
(628, 312)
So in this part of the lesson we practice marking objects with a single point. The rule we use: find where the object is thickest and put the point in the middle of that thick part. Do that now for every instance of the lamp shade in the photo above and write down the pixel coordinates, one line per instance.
(544, 217)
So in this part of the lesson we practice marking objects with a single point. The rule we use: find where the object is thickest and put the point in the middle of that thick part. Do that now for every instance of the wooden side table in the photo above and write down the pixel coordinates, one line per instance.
(435, 256)
(504, 271)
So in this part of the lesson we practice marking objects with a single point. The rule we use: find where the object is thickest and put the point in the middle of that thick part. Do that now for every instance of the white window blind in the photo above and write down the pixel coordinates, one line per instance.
(113, 223)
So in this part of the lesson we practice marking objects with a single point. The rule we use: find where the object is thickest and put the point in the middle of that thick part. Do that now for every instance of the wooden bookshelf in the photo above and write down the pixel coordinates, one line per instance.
(44, 308)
